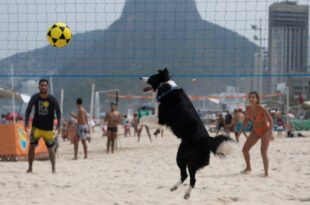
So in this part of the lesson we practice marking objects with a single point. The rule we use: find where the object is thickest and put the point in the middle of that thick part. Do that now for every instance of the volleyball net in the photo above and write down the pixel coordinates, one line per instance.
(247, 43)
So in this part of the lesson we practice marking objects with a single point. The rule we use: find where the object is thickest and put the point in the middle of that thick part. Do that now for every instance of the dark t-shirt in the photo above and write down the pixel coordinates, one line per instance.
(280, 122)
(228, 118)
(221, 122)
(44, 112)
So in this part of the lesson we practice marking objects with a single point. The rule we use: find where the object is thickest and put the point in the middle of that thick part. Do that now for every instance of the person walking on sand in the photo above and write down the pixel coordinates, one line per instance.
(45, 106)
(228, 123)
(135, 122)
(262, 129)
(239, 128)
(141, 113)
(220, 123)
(280, 124)
(83, 128)
(127, 125)
(113, 118)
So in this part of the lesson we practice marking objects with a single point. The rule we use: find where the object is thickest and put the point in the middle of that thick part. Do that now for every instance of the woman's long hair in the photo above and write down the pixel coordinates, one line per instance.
(256, 95)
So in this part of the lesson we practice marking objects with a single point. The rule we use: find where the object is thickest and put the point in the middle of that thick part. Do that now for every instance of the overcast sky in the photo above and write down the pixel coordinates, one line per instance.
(24, 22)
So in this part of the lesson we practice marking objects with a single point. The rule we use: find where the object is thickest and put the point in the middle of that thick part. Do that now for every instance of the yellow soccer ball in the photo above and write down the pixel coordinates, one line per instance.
(59, 35)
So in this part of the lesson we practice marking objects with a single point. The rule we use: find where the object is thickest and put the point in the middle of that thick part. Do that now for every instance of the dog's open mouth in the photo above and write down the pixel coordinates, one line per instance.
(147, 89)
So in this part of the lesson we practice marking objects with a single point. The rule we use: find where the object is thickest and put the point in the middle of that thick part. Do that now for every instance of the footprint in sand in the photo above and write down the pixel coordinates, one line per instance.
(20, 185)
(234, 198)
(66, 186)
(228, 199)
(304, 199)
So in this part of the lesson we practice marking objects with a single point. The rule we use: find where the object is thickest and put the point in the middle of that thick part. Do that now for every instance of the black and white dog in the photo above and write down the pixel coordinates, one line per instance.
(176, 111)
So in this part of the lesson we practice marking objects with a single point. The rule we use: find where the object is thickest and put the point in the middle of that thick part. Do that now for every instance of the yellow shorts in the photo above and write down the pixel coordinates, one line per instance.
(48, 136)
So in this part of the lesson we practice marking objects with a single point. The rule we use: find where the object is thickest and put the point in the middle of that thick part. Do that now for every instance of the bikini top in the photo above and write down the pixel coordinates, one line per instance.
(259, 119)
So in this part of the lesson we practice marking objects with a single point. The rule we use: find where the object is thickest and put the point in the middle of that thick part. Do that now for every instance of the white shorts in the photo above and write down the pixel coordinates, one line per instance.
(280, 128)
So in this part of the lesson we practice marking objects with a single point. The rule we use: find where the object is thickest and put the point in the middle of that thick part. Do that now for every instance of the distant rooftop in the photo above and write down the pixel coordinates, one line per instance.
(289, 2)
(289, 6)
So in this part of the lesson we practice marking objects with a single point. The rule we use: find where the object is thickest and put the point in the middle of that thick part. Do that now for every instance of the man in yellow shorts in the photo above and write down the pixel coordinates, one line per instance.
(45, 106)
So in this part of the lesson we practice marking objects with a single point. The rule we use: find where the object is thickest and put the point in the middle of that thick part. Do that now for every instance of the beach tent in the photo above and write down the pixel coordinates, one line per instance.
(14, 143)
(14, 140)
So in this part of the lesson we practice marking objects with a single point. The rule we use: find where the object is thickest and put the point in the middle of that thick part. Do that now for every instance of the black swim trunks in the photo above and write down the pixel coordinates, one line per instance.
(112, 129)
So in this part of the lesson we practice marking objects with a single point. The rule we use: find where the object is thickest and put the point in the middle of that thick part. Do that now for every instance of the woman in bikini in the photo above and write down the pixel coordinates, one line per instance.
(262, 129)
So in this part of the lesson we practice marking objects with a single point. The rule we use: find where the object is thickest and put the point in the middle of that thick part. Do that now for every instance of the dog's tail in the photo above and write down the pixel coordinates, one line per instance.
(222, 145)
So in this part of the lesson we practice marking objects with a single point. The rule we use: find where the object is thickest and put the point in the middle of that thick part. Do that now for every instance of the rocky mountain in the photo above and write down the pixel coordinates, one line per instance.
(148, 35)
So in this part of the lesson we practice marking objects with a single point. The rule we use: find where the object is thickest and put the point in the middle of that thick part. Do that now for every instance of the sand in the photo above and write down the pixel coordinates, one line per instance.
(142, 173)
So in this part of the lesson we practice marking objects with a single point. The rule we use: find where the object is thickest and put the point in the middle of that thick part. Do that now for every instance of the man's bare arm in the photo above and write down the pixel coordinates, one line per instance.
(73, 115)
(86, 119)
(119, 118)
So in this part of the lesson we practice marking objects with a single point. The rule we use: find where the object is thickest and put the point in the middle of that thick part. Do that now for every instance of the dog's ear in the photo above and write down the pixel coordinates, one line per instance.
(160, 71)
(165, 72)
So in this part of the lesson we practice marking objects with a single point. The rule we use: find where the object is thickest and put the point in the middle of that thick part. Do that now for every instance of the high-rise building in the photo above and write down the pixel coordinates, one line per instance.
(260, 68)
(288, 45)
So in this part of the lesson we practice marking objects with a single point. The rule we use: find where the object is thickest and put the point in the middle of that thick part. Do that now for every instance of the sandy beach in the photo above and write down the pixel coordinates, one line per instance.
(142, 173)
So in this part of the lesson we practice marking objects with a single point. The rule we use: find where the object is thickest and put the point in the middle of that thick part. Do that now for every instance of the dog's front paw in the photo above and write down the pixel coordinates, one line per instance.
(157, 132)
(173, 188)
(187, 195)
(188, 192)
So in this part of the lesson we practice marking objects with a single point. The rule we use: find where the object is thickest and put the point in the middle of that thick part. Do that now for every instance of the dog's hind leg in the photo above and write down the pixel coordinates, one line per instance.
(182, 165)
(192, 172)
(183, 177)
(175, 187)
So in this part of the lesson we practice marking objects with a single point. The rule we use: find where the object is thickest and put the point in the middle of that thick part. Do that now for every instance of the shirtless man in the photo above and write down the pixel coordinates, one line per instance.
(113, 118)
(82, 128)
